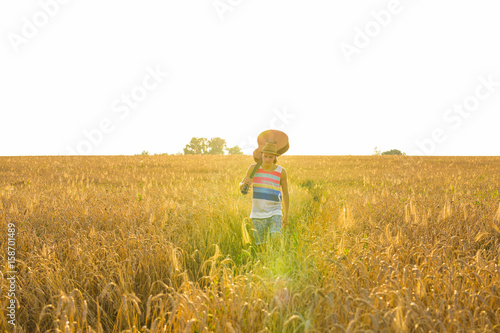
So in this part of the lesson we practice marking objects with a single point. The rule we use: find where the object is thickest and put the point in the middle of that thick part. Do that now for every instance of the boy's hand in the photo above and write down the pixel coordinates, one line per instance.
(284, 222)
(247, 181)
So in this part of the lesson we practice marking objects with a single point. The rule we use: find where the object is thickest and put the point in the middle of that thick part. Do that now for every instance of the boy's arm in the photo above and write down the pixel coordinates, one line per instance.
(286, 197)
(247, 179)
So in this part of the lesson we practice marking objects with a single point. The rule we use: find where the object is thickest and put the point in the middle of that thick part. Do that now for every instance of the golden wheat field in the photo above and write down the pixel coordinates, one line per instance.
(158, 244)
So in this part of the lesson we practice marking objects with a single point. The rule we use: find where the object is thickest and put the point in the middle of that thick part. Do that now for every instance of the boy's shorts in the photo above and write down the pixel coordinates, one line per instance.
(270, 225)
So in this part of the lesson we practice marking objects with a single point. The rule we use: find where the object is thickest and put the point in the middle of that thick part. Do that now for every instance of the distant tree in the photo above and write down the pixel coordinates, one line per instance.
(234, 151)
(197, 146)
(376, 151)
(216, 146)
(393, 152)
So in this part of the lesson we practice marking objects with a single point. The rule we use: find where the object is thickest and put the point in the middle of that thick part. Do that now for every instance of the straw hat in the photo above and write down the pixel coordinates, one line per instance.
(280, 140)
(270, 148)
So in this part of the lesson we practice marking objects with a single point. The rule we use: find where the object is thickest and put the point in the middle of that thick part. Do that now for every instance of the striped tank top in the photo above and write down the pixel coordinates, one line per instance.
(266, 200)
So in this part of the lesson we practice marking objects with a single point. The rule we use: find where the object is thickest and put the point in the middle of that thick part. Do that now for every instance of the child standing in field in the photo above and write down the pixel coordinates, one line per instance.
(267, 215)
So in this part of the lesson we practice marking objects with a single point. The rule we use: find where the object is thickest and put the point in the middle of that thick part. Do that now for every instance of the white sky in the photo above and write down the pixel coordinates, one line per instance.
(237, 67)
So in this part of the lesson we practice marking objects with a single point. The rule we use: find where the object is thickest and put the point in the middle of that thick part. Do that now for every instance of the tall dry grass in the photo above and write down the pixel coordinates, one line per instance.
(155, 244)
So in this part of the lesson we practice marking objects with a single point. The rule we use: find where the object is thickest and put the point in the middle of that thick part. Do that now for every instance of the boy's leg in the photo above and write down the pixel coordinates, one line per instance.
(275, 228)
(259, 231)
(275, 225)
